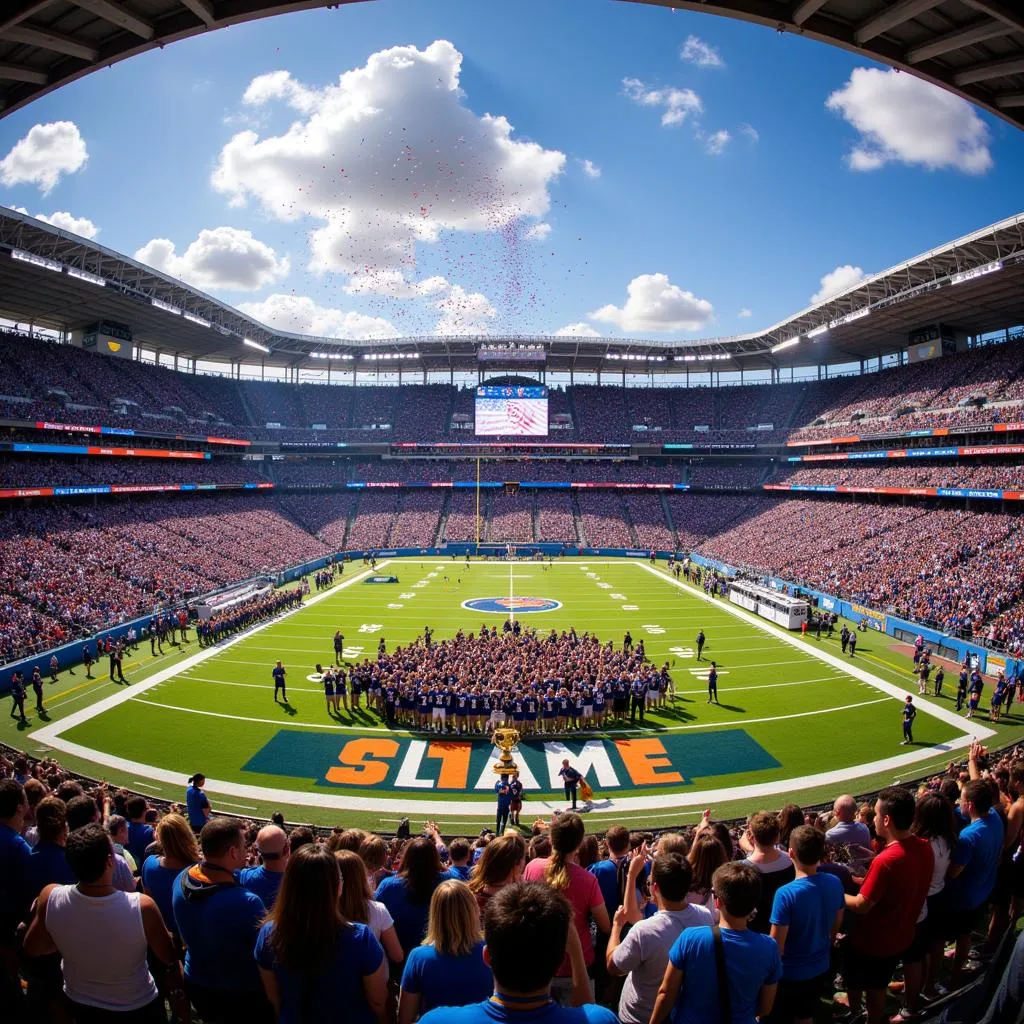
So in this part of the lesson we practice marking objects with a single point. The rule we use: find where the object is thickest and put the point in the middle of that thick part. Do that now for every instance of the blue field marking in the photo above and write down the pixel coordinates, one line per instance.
(504, 605)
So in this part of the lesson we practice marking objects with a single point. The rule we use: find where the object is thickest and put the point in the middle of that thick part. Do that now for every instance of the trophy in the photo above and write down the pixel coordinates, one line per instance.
(506, 740)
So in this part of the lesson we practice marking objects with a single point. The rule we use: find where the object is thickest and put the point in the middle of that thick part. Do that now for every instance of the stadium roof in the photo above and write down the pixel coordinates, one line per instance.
(974, 285)
(974, 48)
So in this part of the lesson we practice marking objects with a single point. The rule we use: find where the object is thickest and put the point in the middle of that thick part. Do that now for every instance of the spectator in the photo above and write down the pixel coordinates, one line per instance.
(197, 803)
(608, 871)
(972, 875)
(316, 965)
(373, 852)
(358, 907)
(117, 828)
(103, 936)
(265, 880)
(178, 852)
(806, 915)
(847, 830)
(578, 885)
(82, 810)
(524, 917)
(48, 863)
(458, 858)
(448, 969)
(643, 954)
(15, 855)
(140, 835)
(217, 920)
(501, 863)
(706, 856)
(772, 864)
(745, 965)
(888, 904)
(407, 894)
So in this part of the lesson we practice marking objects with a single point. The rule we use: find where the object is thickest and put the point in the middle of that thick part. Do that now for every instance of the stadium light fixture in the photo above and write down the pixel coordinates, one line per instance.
(84, 275)
(36, 261)
(857, 314)
(256, 345)
(970, 275)
(818, 331)
(198, 320)
(788, 343)
(165, 306)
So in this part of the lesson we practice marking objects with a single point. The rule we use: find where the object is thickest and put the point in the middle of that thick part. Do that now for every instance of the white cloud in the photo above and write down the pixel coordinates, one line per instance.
(393, 285)
(578, 330)
(653, 303)
(44, 156)
(716, 142)
(704, 55)
(590, 169)
(902, 119)
(219, 258)
(678, 104)
(299, 314)
(836, 281)
(464, 312)
(744, 313)
(538, 232)
(749, 131)
(81, 226)
(387, 156)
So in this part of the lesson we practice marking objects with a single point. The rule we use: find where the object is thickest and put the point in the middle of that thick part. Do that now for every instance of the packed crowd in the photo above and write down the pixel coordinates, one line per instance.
(61, 381)
(476, 682)
(69, 570)
(117, 907)
(1008, 476)
(57, 472)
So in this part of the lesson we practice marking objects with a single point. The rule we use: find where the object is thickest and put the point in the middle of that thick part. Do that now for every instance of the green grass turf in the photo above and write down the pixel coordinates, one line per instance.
(762, 678)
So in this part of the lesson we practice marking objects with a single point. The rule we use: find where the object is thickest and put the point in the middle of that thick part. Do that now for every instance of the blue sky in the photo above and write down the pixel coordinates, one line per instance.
(731, 168)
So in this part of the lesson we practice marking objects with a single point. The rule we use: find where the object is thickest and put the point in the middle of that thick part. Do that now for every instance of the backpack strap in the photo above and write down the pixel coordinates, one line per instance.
(723, 977)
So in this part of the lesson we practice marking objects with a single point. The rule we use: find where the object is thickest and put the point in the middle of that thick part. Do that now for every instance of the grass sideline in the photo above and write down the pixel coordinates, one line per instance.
(763, 678)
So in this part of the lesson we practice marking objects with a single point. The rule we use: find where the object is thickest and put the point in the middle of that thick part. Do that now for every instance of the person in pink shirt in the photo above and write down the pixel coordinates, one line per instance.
(579, 887)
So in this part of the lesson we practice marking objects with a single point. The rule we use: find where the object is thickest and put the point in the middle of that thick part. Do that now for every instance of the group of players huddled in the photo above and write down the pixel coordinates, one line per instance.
(474, 683)
(214, 629)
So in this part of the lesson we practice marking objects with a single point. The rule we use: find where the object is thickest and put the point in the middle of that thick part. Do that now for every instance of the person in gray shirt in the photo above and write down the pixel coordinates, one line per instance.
(643, 954)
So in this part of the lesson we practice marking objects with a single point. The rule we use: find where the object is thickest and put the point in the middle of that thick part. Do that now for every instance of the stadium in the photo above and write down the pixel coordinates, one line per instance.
(350, 577)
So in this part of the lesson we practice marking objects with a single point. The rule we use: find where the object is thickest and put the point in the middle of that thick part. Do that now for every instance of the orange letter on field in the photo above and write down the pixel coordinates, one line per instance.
(642, 758)
(359, 771)
(454, 757)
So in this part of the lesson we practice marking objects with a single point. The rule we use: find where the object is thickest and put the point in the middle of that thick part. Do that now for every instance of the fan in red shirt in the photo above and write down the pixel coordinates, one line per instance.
(888, 904)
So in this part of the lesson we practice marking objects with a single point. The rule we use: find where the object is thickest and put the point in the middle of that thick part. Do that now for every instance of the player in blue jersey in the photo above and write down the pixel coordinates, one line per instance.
(909, 714)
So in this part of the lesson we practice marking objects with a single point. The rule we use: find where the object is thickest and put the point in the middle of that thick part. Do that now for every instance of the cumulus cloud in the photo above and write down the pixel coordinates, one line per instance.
(392, 284)
(388, 156)
(590, 169)
(299, 314)
(464, 312)
(44, 156)
(676, 104)
(219, 258)
(704, 55)
(748, 131)
(653, 303)
(744, 313)
(836, 281)
(902, 119)
(578, 330)
(538, 232)
(716, 142)
(81, 226)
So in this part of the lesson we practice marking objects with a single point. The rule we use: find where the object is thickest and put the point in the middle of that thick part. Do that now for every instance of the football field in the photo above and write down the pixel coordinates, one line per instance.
(796, 716)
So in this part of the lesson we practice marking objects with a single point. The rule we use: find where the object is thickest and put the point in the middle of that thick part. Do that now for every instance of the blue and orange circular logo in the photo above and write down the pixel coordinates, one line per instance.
(504, 605)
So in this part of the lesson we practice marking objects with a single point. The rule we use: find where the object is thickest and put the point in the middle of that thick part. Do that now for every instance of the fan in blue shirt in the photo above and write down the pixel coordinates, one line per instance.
(523, 916)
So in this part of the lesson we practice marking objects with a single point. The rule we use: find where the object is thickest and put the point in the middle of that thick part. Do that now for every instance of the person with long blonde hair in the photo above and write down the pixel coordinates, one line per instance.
(448, 969)
(178, 850)
(579, 887)
(500, 864)
(357, 904)
(313, 962)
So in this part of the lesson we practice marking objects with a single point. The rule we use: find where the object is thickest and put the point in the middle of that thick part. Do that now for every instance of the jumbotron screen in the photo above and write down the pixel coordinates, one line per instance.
(511, 410)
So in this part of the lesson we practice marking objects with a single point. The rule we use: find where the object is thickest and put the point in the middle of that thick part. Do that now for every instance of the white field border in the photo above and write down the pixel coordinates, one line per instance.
(51, 735)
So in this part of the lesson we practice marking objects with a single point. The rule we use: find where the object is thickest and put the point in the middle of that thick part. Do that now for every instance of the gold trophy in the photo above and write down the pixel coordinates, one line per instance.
(506, 740)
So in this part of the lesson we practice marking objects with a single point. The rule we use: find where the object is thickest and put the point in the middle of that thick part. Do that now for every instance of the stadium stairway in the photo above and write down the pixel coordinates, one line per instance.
(240, 391)
(577, 522)
(442, 519)
(666, 511)
(628, 520)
